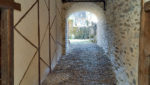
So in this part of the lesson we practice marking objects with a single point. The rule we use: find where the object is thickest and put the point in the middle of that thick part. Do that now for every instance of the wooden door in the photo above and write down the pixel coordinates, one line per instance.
(144, 61)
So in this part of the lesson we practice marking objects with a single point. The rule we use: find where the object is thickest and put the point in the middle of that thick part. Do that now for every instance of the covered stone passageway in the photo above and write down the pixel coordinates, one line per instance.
(34, 43)
(85, 63)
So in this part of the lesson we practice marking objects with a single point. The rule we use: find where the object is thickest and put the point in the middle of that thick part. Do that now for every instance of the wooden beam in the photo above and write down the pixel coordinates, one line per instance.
(144, 51)
(7, 55)
(10, 4)
(7, 40)
(147, 6)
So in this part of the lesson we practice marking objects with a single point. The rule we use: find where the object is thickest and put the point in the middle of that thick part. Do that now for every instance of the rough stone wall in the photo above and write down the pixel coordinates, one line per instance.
(26, 40)
(123, 25)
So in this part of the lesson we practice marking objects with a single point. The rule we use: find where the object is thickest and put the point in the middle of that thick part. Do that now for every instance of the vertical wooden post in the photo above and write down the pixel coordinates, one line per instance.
(144, 59)
(7, 54)
(7, 41)
(39, 54)
(50, 60)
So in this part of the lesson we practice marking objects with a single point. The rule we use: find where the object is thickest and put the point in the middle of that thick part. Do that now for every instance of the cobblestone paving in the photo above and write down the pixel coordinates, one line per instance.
(85, 64)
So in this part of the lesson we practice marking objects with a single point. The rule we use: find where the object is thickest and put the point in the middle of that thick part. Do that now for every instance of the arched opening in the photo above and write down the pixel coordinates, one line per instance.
(82, 28)
(95, 10)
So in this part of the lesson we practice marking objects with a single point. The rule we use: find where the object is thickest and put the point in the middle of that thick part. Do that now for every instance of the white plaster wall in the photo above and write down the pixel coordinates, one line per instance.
(23, 51)
(28, 27)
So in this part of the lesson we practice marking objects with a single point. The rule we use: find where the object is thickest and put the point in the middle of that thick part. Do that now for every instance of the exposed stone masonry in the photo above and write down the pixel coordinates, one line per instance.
(123, 27)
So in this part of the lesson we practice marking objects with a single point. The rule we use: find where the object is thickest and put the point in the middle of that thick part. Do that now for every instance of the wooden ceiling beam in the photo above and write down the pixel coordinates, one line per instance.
(10, 4)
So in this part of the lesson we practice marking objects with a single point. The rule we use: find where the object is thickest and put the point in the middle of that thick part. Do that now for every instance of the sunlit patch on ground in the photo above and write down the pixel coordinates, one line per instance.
(77, 41)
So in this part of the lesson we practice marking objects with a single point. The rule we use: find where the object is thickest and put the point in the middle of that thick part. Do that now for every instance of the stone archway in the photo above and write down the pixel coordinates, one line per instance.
(95, 8)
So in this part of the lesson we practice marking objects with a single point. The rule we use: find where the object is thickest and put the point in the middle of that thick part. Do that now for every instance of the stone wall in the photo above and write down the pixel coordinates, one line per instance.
(123, 26)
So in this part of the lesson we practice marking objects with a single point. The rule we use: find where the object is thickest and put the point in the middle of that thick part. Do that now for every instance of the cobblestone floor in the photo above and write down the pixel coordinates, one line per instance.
(85, 64)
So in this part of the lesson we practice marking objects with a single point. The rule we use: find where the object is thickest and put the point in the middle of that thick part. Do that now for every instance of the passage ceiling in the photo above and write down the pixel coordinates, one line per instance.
(83, 0)
(64, 1)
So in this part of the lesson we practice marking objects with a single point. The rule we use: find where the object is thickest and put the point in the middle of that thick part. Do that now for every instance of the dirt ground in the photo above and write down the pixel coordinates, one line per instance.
(84, 64)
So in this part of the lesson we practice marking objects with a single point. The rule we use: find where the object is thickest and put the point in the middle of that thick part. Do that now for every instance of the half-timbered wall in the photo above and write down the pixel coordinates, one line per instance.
(37, 37)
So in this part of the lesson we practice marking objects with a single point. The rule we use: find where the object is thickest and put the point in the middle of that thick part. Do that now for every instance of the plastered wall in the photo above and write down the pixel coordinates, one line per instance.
(123, 21)
(26, 40)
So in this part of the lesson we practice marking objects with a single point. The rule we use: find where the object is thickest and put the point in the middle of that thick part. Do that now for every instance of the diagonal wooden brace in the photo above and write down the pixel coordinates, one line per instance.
(10, 4)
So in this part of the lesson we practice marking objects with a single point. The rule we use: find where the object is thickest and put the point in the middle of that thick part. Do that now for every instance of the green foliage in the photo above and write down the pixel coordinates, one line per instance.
(83, 32)
(79, 33)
